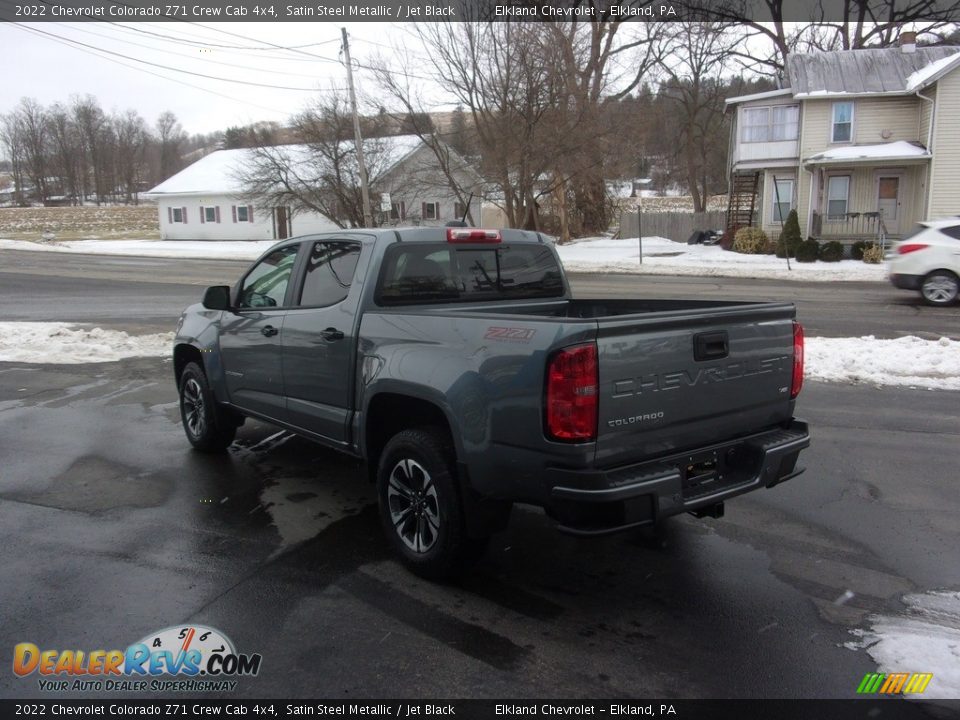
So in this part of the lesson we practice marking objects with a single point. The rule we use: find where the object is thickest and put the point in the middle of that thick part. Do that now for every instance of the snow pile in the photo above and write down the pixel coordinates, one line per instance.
(64, 343)
(665, 257)
(925, 640)
(908, 361)
(919, 78)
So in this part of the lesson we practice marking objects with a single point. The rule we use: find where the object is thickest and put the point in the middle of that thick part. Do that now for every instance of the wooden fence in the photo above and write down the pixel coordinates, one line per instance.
(676, 226)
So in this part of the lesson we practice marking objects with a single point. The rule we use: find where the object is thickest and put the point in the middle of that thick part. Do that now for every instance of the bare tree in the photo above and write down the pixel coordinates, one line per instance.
(90, 121)
(696, 88)
(66, 151)
(321, 174)
(12, 138)
(833, 25)
(131, 140)
(171, 136)
(32, 121)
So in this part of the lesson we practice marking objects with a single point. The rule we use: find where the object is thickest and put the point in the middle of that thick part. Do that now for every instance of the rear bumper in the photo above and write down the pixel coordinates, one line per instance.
(906, 282)
(599, 502)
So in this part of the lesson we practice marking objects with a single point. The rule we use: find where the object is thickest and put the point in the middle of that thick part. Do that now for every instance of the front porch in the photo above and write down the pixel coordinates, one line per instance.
(871, 200)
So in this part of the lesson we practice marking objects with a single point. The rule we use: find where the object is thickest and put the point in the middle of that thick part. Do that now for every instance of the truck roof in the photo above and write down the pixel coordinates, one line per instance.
(409, 234)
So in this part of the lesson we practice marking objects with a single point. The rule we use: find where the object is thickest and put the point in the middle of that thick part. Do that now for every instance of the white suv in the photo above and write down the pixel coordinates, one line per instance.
(928, 260)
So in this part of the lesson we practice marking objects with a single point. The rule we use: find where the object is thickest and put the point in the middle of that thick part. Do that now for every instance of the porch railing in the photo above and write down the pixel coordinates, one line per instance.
(852, 225)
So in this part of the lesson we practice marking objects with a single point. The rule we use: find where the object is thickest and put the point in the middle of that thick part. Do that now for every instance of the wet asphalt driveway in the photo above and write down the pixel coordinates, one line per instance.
(111, 528)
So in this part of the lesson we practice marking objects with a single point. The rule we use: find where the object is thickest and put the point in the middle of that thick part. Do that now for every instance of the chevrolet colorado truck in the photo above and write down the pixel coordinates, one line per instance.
(457, 364)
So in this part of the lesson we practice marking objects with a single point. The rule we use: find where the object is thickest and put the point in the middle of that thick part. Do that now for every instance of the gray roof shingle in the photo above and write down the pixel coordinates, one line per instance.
(855, 72)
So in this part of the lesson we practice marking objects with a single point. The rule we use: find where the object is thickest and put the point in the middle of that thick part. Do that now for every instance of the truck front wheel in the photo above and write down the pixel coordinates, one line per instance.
(208, 428)
(420, 505)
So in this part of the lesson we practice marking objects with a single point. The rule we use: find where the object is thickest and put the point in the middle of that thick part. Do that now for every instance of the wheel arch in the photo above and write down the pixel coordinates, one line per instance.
(183, 355)
(391, 412)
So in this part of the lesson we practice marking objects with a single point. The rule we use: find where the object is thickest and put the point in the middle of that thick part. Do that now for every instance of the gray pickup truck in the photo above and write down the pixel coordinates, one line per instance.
(456, 363)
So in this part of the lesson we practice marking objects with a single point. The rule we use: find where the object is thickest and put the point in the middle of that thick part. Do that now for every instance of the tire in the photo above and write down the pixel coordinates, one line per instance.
(207, 427)
(420, 505)
(940, 288)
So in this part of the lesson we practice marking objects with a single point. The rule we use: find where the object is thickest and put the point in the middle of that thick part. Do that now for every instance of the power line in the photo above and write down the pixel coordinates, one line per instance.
(205, 43)
(164, 77)
(164, 67)
(191, 57)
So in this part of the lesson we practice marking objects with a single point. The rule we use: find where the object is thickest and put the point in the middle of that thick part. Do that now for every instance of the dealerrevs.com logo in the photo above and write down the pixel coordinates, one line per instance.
(185, 658)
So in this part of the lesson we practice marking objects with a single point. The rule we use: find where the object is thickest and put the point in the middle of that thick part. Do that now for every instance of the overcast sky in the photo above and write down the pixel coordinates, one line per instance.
(51, 69)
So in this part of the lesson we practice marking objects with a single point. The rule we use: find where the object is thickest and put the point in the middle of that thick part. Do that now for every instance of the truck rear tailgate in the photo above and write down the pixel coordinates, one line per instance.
(679, 380)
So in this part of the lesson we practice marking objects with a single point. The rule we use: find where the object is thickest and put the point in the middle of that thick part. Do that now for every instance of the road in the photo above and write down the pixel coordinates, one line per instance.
(113, 529)
(151, 291)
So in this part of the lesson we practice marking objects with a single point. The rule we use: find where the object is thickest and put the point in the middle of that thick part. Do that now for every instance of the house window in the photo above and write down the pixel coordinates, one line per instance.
(770, 124)
(398, 211)
(838, 191)
(459, 210)
(431, 211)
(782, 199)
(243, 213)
(176, 215)
(211, 214)
(842, 122)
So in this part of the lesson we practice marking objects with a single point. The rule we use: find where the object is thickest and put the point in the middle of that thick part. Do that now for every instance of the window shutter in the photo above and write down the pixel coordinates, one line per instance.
(184, 209)
(203, 218)
(423, 211)
(217, 212)
(170, 216)
(233, 211)
(249, 213)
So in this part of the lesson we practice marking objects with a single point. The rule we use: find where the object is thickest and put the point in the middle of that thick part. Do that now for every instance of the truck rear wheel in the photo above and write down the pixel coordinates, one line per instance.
(208, 428)
(420, 505)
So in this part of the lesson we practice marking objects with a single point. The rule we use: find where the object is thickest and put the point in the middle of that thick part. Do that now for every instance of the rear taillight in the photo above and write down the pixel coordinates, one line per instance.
(906, 248)
(797, 381)
(472, 235)
(572, 393)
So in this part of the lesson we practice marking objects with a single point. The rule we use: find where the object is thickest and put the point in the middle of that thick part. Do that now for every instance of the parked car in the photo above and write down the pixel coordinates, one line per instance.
(456, 363)
(928, 260)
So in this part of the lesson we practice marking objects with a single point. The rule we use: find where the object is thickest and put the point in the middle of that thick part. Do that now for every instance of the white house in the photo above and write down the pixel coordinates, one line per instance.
(863, 143)
(205, 201)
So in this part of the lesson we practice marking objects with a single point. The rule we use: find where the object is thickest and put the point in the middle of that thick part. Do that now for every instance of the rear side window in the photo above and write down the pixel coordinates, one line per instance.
(330, 269)
(414, 273)
(952, 231)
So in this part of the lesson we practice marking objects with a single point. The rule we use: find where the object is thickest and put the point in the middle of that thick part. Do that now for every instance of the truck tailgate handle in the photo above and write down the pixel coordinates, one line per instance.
(711, 346)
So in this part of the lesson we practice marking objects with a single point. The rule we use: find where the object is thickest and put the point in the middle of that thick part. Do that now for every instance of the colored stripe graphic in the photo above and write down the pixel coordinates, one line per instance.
(894, 683)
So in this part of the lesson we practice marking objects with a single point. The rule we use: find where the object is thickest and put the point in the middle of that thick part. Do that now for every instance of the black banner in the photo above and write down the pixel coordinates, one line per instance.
(441, 10)
(861, 709)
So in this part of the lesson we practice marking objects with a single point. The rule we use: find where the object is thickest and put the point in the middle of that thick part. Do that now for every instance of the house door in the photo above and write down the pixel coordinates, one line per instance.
(888, 201)
(281, 223)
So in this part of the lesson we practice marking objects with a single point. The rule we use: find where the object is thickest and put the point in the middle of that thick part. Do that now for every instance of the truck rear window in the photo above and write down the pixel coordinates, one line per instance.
(413, 273)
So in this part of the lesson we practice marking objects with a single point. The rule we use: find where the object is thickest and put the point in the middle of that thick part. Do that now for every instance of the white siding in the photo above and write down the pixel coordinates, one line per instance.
(260, 229)
(752, 151)
(945, 173)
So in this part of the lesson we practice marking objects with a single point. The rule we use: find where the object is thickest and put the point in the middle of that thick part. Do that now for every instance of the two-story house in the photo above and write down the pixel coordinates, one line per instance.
(862, 142)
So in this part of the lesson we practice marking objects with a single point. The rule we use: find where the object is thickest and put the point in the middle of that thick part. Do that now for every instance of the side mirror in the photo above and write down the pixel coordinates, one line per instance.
(217, 297)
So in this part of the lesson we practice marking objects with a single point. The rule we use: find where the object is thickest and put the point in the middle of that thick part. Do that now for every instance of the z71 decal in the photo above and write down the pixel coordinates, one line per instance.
(509, 334)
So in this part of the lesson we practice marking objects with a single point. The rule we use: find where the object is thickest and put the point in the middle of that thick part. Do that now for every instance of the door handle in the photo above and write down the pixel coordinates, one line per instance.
(331, 334)
(269, 330)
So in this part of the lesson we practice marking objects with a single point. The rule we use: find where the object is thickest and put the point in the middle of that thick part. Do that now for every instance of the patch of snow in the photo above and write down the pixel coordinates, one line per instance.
(907, 361)
(897, 149)
(926, 639)
(65, 343)
(919, 78)
(665, 257)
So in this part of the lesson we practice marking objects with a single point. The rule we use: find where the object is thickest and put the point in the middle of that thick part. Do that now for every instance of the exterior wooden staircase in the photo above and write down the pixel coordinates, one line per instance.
(742, 199)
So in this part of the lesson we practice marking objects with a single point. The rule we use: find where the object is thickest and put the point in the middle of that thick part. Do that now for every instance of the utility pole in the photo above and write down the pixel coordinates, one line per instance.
(358, 140)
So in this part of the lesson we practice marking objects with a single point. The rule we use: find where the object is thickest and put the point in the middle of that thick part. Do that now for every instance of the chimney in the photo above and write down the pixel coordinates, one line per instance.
(908, 42)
